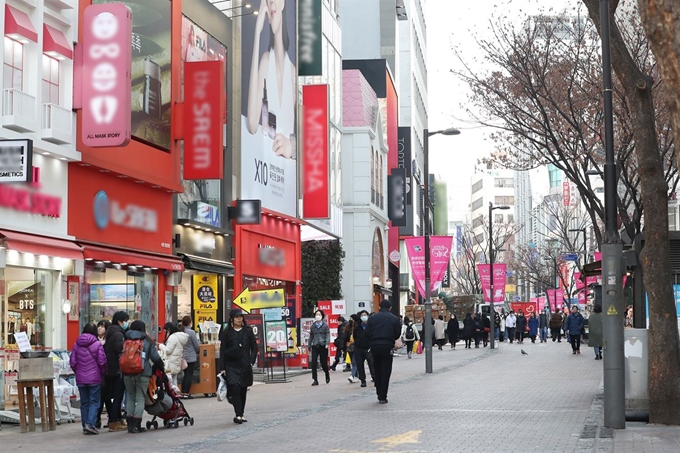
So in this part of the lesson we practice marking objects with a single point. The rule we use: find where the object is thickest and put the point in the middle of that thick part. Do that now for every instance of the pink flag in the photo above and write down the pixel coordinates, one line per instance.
(541, 303)
(598, 256)
(498, 281)
(559, 297)
(440, 250)
(552, 299)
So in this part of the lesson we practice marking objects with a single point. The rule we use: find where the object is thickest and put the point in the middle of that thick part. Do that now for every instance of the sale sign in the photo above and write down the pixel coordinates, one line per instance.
(276, 335)
(440, 250)
(498, 281)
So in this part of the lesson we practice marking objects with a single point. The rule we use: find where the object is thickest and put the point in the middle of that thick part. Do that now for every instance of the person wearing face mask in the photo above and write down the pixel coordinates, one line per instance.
(319, 340)
(190, 354)
(521, 327)
(114, 386)
(361, 346)
(102, 327)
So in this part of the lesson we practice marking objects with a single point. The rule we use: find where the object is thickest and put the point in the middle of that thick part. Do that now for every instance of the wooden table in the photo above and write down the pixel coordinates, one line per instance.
(46, 401)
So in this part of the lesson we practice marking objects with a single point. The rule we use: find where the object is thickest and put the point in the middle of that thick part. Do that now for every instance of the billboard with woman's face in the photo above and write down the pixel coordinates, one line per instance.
(269, 106)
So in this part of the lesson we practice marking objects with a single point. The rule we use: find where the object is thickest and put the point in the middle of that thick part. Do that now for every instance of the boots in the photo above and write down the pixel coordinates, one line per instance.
(116, 426)
(130, 425)
(328, 378)
(135, 425)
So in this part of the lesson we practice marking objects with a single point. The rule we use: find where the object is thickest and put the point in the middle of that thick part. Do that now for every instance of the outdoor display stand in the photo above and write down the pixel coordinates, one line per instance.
(271, 376)
(207, 371)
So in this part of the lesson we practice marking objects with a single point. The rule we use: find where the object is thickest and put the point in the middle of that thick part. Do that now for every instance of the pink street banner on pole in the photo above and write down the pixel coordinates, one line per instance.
(440, 253)
(551, 299)
(581, 289)
(541, 303)
(498, 281)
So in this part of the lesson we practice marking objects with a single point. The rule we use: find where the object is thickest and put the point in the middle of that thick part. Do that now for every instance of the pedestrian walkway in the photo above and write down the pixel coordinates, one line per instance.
(475, 401)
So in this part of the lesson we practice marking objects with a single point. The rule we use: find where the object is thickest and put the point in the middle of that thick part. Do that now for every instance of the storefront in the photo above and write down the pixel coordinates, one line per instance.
(269, 256)
(125, 229)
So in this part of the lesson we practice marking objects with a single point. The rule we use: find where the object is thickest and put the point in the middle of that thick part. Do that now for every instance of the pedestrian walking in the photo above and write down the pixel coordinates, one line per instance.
(349, 333)
(361, 348)
(340, 342)
(319, 340)
(543, 325)
(574, 327)
(88, 361)
(486, 322)
(468, 330)
(496, 326)
(383, 330)
(238, 353)
(533, 327)
(521, 326)
(440, 332)
(595, 331)
(502, 331)
(172, 350)
(136, 384)
(453, 330)
(556, 326)
(114, 386)
(511, 324)
(479, 329)
(409, 335)
(190, 355)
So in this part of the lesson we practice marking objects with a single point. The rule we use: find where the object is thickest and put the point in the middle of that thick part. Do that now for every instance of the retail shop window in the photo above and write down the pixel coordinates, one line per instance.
(50, 80)
(110, 290)
(201, 200)
(13, 65)
(25, 295)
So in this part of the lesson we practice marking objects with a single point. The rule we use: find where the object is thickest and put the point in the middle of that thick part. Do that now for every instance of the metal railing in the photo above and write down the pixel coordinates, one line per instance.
(56, 118)
(18, 103)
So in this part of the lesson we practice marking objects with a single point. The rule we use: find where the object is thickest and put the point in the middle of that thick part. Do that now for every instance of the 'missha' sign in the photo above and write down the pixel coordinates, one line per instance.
(15, 161)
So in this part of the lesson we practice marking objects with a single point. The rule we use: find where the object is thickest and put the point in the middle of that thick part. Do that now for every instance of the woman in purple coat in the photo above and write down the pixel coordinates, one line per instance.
(88, 361)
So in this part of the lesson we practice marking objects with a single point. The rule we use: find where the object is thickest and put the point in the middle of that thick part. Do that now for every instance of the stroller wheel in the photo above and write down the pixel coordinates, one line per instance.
(155, 425)
(186, 422)
(191, 421)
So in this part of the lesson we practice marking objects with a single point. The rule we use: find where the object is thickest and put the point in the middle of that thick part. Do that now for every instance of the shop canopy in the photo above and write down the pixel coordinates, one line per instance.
(40, 245)
(132, 257)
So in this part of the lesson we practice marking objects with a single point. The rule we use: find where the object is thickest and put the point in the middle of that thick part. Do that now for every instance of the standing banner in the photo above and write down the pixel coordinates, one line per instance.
(315, 161)
(440, 250)
(276, 335)
(205, 298)
(498, 282)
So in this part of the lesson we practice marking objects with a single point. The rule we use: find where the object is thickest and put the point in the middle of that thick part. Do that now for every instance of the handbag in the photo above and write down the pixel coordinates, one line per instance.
(420, 347)
(184, 365)
(398, 344)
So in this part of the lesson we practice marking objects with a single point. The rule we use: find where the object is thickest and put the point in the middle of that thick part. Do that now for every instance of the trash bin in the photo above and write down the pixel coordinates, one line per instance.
(636, 353)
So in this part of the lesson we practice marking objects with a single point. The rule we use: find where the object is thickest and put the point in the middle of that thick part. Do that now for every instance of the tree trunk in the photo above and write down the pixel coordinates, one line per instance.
(664, 348)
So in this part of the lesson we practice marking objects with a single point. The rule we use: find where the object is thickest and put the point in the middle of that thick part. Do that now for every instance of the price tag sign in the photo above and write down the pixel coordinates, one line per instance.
(22, 342)
(276, 335)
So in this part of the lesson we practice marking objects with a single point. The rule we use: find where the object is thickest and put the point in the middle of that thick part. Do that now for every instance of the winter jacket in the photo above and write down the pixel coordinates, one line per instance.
(511, 321)
(238, 353)
(556, 320)
(479, 324)
(468, 327)
(360, 339)
(173, 350)
(453, 329)
(191, 349)
(383, 329)
(439, 329)
(319, 335)
(342, 338)
(574, 324)
(416, 334)
(521, 323)
(543, 320)
(88, 360)
(113, 349)
(533, 326)
(148, 351)
(595, 330)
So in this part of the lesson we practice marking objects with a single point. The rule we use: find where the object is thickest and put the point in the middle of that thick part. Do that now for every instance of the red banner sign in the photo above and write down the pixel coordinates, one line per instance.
(315, 174)
(498, 281)
(106, 75)
(204, 117)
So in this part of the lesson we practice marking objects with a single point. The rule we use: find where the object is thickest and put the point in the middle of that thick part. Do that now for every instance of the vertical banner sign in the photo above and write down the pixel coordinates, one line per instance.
(559, 297)
(499, 277)
(315, 162)
(309, 37)
(440, 252)
(396, 197)
(269, 106)
(446, 281)
(204, 117)
(205, 298)
(404, 158)
(276, 335)
(581, 289)
(106, 75)
(566, 193)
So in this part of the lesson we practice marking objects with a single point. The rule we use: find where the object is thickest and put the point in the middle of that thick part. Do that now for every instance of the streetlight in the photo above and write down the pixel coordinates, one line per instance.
(492, 312)
(427, 329)
(585, 245)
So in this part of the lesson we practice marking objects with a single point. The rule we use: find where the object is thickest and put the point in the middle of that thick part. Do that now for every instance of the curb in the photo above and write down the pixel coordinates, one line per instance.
(595, 437)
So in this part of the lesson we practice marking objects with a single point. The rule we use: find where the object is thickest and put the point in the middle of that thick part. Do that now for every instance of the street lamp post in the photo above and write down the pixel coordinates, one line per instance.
(492, 311)
(427, 329)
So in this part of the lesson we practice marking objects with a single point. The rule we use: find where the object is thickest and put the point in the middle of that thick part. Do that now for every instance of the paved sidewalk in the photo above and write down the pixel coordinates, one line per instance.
(476, 401)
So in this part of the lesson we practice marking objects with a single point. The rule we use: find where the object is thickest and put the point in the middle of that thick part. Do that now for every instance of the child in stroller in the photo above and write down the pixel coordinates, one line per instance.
(162, 401)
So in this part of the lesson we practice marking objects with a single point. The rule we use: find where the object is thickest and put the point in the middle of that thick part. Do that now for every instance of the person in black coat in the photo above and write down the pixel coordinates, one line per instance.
(114, 387)
(340, 342)
(382, 330)
(362, 346)
(479, 329)
(238, 353)
(486, 322)
(453, 329)
(521, 326)
(468, 330)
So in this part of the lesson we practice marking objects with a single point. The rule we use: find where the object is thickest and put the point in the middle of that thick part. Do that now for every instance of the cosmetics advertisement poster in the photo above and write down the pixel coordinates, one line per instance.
(151, 85)
(269, 103)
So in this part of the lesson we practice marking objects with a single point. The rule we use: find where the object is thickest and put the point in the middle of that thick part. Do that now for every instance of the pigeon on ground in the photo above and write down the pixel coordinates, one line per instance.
(524, 352)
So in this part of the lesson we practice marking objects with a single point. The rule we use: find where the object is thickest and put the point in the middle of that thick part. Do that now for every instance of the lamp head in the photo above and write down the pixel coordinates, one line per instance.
(450, 131)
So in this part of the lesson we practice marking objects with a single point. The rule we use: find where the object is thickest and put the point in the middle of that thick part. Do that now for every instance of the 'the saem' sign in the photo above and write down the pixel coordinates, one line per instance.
(204, 116)
(16, 157)
(106, 75)
(315, 193)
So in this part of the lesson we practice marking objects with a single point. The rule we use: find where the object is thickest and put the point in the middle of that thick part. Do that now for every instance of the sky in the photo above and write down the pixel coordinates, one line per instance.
(459, 23)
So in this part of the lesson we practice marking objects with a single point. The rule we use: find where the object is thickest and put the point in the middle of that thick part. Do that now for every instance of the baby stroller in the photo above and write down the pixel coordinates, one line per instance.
(162, 402)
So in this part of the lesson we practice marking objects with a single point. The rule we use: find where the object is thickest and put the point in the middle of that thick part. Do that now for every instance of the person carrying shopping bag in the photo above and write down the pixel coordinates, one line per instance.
(409, 335)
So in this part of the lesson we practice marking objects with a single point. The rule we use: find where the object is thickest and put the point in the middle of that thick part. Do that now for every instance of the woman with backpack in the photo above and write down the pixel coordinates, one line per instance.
(173, 350)
(453, 329)
(88, 361)
(138, 349)
(409, 335)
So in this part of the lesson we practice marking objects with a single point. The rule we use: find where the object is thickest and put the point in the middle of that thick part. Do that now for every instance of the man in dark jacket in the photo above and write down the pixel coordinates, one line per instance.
(543, 325)
(574, 327)
(556, 326)
(114, 386)
(361, 347)
(340, 342)
(521, 326)
(382, 331)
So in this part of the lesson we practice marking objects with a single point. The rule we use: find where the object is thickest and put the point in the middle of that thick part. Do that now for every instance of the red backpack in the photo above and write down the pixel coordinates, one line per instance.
(131, 360)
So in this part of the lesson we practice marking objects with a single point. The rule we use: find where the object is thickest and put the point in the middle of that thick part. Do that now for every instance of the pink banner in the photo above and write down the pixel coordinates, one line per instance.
(581, 289)
(555, 298)
(440, 250)
(598, 256)
(498, 281)
(541, 303)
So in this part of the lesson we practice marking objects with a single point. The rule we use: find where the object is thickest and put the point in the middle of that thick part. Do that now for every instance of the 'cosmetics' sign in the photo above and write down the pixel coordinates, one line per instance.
(204, 116)
(106, 75)
(315, 193)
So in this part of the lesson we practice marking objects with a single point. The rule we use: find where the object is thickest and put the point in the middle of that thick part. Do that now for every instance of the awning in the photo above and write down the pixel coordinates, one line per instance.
(133, 258)
(18, 25)
(41, 245)
(200, 263)
(55, 43)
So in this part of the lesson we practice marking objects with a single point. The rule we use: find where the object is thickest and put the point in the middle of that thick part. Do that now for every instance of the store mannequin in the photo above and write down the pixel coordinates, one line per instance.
(10, 330)
(29, 328)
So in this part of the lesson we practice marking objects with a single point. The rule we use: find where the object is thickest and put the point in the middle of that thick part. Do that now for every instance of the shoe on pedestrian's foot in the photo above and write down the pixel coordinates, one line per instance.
(315, 382)
(578, 351)
(333, 367)
(573, 352)
(117, 426)
(382, 401)
(363, 383)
